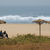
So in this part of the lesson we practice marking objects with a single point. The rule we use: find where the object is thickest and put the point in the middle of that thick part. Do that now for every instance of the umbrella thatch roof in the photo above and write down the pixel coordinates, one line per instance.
(47, 22)
(41, 21)
(2, 22)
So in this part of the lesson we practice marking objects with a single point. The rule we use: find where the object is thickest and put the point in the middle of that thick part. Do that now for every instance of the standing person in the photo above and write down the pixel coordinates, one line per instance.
(0, 32)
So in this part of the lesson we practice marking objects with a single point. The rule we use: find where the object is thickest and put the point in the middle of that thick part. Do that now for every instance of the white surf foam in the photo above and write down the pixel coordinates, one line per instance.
(18, 19)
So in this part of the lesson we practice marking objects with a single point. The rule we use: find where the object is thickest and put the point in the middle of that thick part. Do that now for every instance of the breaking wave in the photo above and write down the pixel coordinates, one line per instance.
(21, 19)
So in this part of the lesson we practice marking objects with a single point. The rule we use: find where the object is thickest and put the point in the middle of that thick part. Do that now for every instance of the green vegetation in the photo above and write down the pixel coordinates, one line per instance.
(22, 39)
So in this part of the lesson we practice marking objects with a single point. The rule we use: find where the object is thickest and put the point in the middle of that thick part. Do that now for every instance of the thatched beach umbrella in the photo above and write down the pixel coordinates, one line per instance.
(40, 21)
(2, 22)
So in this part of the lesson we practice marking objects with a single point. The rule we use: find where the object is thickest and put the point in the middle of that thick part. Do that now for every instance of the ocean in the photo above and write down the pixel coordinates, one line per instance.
(25, 14)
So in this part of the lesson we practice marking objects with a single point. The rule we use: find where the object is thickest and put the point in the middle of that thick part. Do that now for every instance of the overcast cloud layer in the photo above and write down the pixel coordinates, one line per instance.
(24, 2)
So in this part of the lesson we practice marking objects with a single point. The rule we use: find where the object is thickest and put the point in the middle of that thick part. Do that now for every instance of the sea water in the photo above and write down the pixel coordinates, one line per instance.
(25, 14)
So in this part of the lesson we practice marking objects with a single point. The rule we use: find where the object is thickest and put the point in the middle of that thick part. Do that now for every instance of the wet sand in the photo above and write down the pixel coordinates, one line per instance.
(14, 29)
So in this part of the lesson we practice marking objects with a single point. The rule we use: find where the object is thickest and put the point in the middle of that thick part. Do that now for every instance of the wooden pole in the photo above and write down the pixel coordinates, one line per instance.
(39, 29)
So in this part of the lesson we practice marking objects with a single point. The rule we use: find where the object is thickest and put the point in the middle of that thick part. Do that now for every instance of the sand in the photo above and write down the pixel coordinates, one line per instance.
(17, 29)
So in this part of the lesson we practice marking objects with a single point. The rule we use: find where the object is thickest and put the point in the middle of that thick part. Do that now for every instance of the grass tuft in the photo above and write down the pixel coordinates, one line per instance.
(22, 39)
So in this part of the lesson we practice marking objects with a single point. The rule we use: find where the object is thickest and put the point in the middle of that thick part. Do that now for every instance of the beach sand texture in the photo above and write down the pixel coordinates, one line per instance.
(14, 29)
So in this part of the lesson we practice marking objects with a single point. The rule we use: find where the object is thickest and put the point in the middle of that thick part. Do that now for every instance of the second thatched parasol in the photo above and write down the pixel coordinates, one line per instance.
(40, 21)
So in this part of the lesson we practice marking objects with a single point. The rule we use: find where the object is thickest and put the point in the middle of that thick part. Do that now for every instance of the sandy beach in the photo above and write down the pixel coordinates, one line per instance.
(20, 29)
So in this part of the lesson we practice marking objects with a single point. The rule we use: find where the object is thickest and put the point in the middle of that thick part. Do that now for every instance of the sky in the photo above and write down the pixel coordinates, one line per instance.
(24, 2)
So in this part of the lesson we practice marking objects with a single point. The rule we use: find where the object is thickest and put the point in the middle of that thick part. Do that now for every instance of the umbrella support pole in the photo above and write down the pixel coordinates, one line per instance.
(39, 29)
